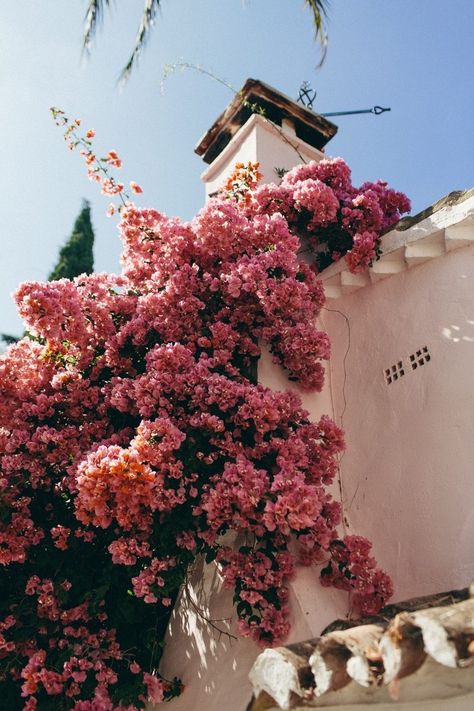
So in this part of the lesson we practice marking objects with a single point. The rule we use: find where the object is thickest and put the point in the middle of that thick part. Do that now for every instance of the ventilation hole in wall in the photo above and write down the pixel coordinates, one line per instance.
(395, 372)
(420, 357)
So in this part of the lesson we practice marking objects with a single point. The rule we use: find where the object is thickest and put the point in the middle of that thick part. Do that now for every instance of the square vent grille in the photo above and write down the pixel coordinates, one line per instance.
(399, 369)
(394, 372)
(420, 357)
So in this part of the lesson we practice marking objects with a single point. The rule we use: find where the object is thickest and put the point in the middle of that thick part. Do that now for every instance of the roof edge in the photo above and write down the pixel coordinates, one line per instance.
(257, 97)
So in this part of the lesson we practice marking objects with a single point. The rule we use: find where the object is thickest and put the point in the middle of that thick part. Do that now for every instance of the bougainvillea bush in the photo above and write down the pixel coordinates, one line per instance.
(133, 435)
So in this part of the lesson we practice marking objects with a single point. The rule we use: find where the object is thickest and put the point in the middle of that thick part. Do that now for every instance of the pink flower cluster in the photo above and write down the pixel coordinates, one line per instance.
(134, 435)
(258, 577)
(322, 206)
(151, 583)
(352, 568)
(90, 654)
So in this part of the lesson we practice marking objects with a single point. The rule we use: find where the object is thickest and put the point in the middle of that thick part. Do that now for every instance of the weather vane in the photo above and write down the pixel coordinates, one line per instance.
(307, 96)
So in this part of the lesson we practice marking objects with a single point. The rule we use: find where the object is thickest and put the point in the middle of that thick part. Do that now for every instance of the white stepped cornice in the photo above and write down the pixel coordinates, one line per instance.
(446, 226)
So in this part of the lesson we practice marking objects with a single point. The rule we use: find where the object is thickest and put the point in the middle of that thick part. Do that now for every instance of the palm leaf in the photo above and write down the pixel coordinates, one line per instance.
(319, 10)
(94, 15)
(95, 12)
(148, 17)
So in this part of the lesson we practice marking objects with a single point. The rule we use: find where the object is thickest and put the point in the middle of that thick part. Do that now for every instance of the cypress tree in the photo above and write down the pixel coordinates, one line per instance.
(76, 256)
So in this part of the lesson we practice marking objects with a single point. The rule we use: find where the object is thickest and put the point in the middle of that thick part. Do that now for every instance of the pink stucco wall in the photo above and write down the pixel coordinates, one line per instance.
(408, 470)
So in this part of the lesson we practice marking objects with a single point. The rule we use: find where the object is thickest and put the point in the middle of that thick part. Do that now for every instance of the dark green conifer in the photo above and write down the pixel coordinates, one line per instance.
(76, 256)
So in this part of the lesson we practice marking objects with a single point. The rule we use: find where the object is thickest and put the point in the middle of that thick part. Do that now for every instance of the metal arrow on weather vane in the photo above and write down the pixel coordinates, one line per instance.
(307, 96)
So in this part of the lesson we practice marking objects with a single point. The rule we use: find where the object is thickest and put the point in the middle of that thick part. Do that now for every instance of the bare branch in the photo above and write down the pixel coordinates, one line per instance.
(200, 613)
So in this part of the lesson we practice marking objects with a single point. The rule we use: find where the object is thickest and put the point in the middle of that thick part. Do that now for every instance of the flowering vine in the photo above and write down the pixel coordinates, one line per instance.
(98, 169)
(133, 435)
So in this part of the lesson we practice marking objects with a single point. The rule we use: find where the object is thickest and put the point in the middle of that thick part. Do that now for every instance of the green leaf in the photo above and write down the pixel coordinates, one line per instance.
(244, 608)
(211, 555)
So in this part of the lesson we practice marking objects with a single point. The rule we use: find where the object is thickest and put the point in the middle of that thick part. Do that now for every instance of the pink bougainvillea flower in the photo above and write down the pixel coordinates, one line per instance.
(113, 159)
(134, 435)
(110, 187)
(135, 188)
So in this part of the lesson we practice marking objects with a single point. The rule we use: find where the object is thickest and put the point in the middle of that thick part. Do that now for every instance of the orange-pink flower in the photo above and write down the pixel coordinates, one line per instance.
(110, 187)
(113, 159)
(135, 188)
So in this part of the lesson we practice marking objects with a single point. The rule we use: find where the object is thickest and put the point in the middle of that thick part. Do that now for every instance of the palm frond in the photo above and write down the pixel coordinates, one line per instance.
(94, 15)
(319, 10)
(149, 13)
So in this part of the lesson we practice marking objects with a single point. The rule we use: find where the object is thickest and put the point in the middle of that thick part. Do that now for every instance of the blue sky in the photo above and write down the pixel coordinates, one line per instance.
(415, 56)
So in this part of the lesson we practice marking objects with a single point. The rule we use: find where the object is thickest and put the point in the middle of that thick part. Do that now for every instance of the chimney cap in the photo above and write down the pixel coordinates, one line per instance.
(258, 97)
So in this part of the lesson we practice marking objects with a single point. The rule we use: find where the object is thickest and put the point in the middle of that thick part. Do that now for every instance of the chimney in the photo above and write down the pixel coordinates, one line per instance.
(262, 124)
